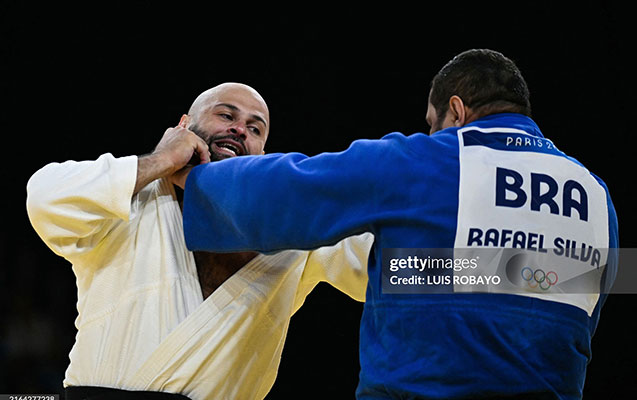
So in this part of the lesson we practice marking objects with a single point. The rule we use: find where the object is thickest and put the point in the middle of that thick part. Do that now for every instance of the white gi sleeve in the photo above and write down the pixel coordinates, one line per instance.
(73, 205)
(343, 266)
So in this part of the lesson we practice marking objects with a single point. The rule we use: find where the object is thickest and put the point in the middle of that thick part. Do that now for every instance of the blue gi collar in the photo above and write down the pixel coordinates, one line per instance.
(511, 120)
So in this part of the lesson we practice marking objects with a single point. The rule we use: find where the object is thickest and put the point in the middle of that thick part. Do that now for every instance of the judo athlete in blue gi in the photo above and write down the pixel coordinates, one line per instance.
(485, 177)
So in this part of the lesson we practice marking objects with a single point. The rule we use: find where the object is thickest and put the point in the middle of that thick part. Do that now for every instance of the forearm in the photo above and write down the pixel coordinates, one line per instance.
(149, 168)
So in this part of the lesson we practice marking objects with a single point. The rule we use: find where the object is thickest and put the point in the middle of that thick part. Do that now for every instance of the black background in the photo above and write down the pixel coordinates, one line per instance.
(79, 81)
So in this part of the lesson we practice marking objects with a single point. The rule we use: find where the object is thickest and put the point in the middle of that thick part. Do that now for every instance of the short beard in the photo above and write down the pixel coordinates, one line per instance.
(195, 160)
(193, 127)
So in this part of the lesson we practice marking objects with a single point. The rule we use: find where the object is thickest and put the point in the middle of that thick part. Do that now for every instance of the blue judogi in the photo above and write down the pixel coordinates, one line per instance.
(489, 183)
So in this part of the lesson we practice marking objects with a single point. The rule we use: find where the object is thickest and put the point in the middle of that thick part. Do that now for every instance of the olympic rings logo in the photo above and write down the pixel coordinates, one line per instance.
(539, 278)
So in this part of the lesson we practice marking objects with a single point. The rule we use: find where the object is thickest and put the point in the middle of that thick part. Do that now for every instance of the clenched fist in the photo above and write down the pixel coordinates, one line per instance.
(177, 147)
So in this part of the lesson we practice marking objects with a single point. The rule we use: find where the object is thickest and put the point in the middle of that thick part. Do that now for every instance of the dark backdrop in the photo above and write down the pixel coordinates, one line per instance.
(77, 82)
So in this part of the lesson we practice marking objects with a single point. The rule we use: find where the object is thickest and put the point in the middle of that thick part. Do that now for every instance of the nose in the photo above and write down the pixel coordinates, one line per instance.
(238, 128)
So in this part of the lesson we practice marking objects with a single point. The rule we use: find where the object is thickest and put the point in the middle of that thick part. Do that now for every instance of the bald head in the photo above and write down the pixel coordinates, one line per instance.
(217, 94)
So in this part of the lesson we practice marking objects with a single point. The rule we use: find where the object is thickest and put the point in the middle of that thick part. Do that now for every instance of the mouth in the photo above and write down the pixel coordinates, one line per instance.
(228, 148)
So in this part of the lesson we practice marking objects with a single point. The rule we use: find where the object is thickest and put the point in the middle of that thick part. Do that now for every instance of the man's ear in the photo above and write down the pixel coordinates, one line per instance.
(184, 121)
(457, 110)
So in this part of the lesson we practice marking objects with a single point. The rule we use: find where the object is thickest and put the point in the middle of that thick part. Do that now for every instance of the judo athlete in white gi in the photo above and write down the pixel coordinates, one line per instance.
(152, 316)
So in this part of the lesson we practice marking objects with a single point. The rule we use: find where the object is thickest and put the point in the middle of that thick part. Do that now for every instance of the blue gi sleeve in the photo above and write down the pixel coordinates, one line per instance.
(291, 201)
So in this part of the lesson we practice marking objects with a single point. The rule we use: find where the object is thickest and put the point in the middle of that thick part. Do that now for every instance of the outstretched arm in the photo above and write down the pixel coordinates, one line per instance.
(291, 201)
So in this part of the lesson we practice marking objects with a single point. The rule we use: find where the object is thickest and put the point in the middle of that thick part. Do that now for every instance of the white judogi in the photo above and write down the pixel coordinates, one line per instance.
(142, 322)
